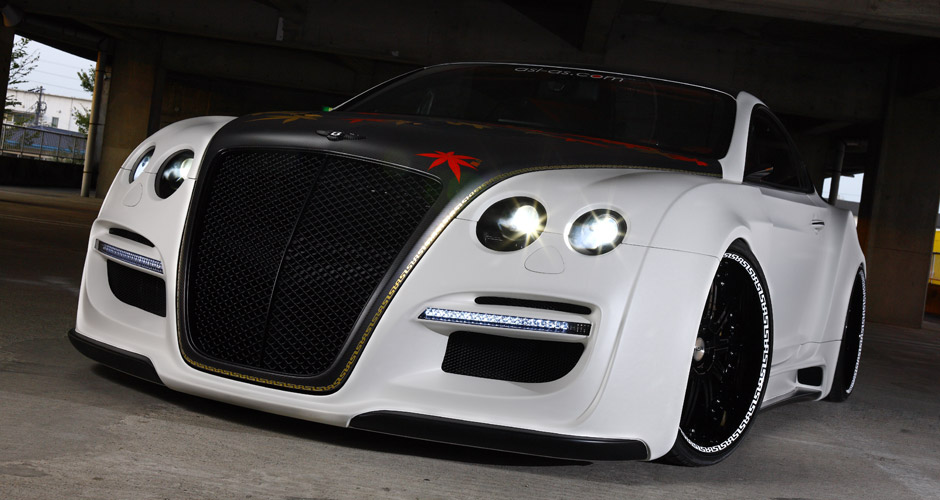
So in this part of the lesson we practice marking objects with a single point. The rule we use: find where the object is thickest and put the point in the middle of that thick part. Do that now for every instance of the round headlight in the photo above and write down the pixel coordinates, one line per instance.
(511, 224)
(141, 165)
(172, 173)
(597, 232)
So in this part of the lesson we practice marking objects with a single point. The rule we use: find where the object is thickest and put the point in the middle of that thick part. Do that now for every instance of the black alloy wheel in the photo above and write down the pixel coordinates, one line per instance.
(850, 352)
(730, 363)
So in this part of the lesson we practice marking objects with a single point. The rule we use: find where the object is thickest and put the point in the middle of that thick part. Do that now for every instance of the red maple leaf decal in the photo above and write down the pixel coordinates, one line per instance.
(453, 161)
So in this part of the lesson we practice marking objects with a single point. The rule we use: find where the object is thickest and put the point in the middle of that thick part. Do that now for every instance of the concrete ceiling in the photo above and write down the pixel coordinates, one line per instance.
(912, 17)
(785, 50)
(426, 31)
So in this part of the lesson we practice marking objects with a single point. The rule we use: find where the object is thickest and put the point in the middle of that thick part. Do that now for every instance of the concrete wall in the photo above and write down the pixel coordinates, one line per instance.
(899, 232)
(39, 173)
(129, 107)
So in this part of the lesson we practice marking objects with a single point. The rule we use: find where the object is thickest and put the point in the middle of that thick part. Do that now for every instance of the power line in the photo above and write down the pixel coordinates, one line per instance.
(37, 82)
(64, 64)
(73, 75)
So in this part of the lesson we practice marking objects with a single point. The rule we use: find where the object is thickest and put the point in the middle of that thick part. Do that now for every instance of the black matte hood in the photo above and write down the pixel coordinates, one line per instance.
(287, 221)
(461, 154)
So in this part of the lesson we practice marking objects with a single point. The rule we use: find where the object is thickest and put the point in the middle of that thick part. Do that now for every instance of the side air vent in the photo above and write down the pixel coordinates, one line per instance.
(130, 235)
(810, 376)
(534, 304)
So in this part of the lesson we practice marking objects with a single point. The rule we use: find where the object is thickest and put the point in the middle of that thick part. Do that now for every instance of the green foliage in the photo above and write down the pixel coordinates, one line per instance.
(22, 62)
(82, 119)
(83, 116)
(87, 79)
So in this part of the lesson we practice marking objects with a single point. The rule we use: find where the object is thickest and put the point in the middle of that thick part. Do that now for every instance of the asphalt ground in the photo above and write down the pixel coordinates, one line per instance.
(70, 428)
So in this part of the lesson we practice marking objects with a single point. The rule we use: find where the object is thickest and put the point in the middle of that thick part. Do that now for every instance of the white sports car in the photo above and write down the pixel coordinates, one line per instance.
(545, 260)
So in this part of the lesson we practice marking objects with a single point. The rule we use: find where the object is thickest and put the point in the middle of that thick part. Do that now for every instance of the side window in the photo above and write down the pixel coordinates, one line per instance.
(771, 157)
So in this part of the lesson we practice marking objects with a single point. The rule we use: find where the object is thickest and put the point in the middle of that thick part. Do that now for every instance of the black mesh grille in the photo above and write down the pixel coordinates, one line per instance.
(510, 359)
(287, 249)
(137, 288)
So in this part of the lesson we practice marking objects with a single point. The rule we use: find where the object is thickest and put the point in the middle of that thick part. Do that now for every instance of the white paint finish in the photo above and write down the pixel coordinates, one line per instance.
(732, 165)
(132, 197)
(646, 296)
(547, 260)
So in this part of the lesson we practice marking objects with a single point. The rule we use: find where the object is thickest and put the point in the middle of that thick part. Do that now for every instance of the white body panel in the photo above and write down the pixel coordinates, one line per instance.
(646, 297)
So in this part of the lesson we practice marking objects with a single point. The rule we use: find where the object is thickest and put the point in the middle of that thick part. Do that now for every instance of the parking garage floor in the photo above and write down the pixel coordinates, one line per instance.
(72, 429)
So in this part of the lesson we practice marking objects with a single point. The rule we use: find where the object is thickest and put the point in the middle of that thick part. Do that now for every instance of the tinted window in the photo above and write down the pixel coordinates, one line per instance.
(664, 115)
(771, 157)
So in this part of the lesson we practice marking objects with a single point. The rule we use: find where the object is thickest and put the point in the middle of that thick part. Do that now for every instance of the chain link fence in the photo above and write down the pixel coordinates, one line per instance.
(41, 143)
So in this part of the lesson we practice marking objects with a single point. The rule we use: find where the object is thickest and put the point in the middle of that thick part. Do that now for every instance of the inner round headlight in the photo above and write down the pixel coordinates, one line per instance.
(511, 224)
(141, 165)
(597, 232)
(172, 173)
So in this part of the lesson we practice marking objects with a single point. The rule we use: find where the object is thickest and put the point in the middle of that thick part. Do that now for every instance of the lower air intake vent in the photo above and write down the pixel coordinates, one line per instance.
(510, 359)
(138, 289)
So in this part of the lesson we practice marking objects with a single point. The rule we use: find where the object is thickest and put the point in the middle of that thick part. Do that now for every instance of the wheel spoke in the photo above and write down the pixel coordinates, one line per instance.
(692, 395)
(723, 378)
(717, 371)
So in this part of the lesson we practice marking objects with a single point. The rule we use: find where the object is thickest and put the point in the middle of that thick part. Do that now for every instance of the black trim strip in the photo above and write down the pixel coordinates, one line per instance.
(795, 396)
(534, 304)
(130, 235)
(125, 361)
(500, 438)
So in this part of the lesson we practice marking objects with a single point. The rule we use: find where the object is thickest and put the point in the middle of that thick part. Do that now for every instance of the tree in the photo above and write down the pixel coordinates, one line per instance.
(83, 116)
(22, 62)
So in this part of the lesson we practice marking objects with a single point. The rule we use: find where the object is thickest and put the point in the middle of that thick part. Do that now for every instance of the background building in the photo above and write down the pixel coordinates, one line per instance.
(58, 110)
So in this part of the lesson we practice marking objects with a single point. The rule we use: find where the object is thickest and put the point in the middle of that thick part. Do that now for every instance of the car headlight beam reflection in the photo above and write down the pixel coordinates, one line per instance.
(511, 224)
(524, 219)
(597, 232)
(172, 173)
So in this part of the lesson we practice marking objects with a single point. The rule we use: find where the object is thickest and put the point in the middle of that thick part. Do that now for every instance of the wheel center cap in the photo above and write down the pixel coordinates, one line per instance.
(698, 353)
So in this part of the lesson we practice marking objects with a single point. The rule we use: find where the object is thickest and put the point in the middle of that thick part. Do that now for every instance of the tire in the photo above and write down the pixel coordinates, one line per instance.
(730, 363)
(850, 352)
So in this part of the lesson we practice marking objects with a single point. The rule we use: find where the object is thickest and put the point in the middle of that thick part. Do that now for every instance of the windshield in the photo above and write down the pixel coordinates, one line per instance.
(664, 115)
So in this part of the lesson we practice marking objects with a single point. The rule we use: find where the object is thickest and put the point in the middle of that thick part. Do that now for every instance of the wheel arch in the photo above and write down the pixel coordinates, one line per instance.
(685, 451)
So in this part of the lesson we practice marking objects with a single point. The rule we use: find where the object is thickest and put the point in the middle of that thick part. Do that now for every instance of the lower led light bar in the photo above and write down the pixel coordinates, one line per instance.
(131, 258)
(504, 321)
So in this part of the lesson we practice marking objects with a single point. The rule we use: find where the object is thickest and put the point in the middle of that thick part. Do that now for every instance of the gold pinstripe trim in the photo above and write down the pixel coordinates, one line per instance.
(401, 278)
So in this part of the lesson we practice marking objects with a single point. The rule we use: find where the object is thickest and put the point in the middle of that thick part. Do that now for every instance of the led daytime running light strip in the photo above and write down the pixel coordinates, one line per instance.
(504, 321)
(131, 258)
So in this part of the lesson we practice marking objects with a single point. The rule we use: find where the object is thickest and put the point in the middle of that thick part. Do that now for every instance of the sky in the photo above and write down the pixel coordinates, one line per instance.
(850, 188)
(56, 71)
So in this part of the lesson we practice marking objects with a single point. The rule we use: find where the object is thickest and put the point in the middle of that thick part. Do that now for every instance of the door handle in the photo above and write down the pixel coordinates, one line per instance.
(818, 225)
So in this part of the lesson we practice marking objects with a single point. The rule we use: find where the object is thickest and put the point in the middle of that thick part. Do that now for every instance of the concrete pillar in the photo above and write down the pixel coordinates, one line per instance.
(6, 49)
(128, 108)
(96, 121)
(898, 237)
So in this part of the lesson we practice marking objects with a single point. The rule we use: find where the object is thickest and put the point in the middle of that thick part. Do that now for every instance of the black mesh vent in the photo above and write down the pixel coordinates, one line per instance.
(510, 359)
(288, 248)
(137, 288)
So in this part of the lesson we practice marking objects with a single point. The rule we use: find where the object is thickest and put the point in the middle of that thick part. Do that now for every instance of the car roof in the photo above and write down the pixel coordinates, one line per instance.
(586, 68)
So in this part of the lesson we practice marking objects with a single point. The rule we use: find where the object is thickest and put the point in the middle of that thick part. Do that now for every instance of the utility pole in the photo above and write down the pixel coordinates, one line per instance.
(40, 106)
